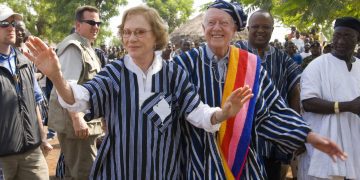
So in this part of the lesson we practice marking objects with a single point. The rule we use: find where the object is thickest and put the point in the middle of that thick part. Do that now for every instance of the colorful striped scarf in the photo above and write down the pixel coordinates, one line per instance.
(235, 133)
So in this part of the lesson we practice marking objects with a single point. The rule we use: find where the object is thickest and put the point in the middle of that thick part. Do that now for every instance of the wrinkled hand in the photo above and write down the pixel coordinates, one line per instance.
(81, 128)
(234, 103)
(46, 147)
(327, 146)
(44, 57)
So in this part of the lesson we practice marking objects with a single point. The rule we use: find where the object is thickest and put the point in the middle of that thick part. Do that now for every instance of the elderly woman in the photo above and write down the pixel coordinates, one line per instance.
(142, 98)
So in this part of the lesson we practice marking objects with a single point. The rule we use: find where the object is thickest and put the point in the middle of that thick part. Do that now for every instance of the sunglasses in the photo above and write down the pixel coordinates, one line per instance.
(5, 24)
(91, 22)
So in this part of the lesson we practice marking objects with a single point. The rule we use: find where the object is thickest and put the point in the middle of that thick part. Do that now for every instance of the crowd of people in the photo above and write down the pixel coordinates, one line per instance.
(149, 109)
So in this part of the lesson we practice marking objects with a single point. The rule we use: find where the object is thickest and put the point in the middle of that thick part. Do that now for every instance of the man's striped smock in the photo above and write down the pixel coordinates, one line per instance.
(273, 120)
(284, 73)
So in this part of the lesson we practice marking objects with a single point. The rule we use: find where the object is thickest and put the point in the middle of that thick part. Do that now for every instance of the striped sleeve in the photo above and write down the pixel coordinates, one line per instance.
(293, 72)
(276, 121)
(99, 88)
(186, 60)
(187, 95)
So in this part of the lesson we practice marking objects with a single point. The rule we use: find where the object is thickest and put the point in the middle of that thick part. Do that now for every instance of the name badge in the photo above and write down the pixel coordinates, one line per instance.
(163, 109)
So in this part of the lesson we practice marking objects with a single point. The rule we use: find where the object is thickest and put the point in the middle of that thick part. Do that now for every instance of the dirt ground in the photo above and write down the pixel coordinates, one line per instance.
(53, 157)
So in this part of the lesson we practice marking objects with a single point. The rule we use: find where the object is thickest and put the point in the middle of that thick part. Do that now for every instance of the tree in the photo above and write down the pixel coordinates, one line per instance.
(308, 13)
(174, 12)
(53, 20)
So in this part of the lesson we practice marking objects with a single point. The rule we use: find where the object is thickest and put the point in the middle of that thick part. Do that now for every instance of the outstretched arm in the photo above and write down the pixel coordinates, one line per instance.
(46, 60)
(325, 145)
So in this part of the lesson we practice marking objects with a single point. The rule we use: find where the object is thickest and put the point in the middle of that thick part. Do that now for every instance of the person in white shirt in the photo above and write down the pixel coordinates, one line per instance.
(299, 43)
(306, 52)
(330, 96)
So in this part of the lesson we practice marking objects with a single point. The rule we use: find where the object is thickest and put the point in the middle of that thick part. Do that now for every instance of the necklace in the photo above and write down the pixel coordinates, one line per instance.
(14, 72)
(215, 69)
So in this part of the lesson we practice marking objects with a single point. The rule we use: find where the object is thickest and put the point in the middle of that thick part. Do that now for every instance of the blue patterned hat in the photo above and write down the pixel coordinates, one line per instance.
(234, 9)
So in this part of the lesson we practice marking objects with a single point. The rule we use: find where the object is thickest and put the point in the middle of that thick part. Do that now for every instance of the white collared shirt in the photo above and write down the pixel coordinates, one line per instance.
(199, 117)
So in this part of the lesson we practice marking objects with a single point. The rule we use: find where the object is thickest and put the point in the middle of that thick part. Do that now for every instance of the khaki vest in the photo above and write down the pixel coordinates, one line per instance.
(59, 119)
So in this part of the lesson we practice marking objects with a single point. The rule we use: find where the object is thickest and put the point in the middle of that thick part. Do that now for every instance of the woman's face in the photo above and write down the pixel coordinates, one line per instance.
(138, 37)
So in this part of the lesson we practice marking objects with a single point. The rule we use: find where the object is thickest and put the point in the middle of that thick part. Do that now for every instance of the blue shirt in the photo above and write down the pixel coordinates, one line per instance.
(8, 61)
(297, 58)
(282, 69)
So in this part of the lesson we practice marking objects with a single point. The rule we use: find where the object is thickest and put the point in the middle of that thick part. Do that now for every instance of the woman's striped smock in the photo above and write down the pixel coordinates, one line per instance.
(138, 145)
(273, 120)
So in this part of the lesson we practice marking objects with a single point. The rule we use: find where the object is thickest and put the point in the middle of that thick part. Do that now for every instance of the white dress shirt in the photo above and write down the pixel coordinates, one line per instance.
(199, 117)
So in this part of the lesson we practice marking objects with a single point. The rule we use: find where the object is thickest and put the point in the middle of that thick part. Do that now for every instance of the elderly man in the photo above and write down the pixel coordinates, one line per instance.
(284, 73)
(330, 96)
(21, 135)
(216, 69)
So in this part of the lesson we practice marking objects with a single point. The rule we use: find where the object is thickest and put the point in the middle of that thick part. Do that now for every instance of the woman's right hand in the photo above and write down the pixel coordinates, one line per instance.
(44, 58)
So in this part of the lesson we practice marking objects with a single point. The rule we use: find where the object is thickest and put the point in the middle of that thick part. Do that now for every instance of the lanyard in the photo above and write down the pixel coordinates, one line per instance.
(14, 74)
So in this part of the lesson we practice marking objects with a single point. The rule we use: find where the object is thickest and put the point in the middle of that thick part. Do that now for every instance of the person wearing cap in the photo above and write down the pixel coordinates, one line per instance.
(284, 73)
(315, 50)
(330, 97)
(216, 69)
(21, 136)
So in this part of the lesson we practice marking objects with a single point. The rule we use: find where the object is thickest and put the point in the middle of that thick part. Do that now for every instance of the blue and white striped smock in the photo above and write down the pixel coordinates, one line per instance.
(284, 73)
(138, 144)
(273, 120)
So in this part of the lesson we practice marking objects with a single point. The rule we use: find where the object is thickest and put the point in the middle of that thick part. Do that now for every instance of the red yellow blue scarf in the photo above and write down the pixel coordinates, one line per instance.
(235, 133)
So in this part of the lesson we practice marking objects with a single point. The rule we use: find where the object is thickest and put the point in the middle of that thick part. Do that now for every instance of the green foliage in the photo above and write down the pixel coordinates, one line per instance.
(174, 12)
(53, 20)
(115, 41)
(306, 14)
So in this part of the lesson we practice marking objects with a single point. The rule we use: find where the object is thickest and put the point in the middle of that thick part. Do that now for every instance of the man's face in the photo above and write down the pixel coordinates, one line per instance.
(260, 30)
(7, 34)
(169, 47)
(315, 51)
(86, 30)
(219, 28)
(307, 47)
(344, 41)
(20, 32)
(185, 46)
(291, 48)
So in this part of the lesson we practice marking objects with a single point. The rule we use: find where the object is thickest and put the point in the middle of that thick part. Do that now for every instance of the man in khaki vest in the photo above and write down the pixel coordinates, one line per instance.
(79, 63)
